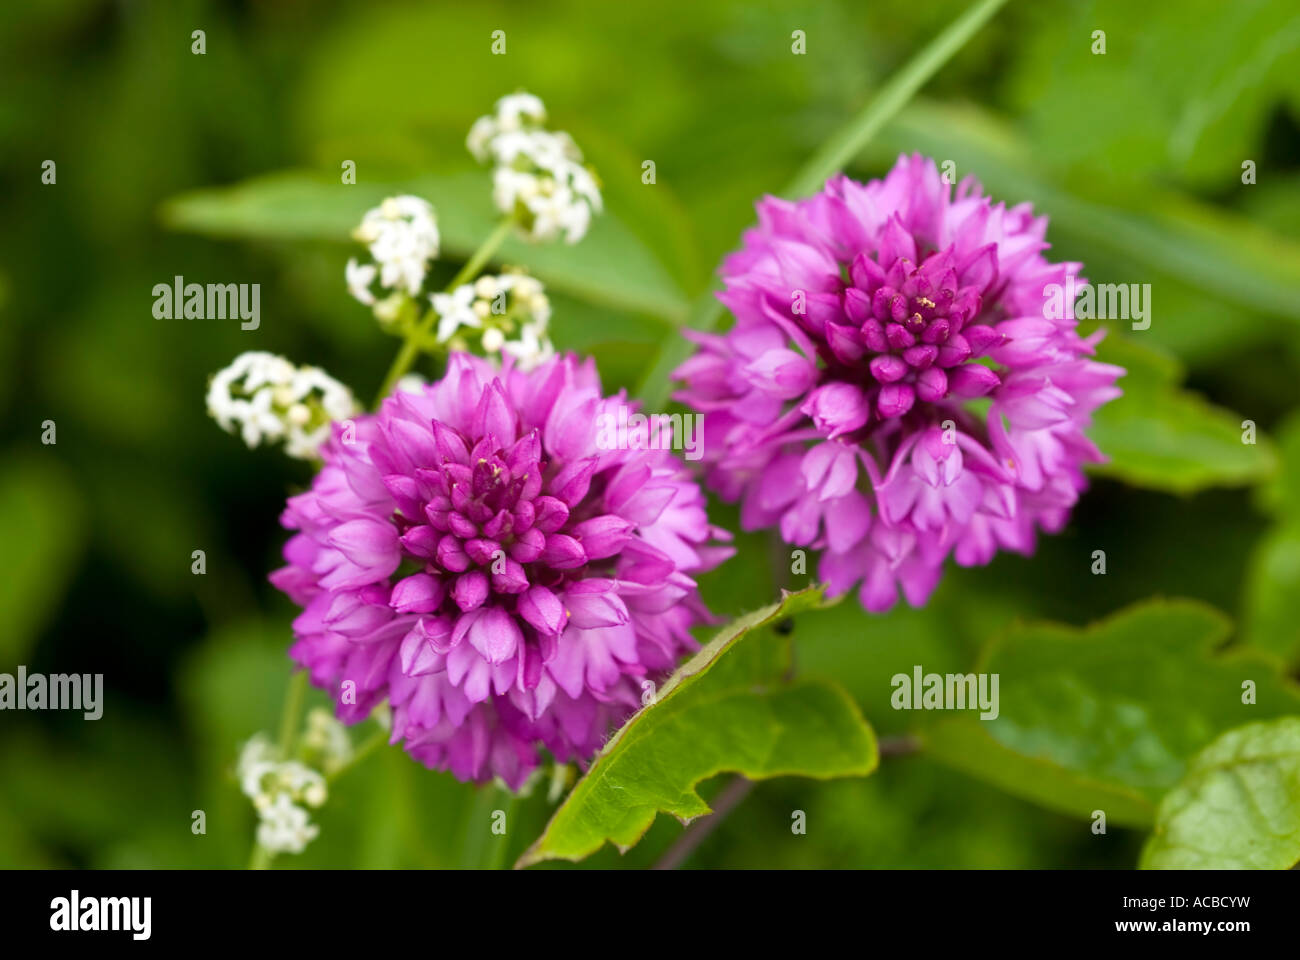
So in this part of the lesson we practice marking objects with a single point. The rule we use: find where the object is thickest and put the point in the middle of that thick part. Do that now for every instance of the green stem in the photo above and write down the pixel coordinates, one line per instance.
(496, 857)
(411, 348)
(368, 746)
(290, 721)
(837, 151)
(482, 848)
(291, 715)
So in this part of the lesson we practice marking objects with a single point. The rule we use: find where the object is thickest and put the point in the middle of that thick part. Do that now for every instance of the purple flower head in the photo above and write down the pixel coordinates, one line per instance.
(470, 555)
(897, 385)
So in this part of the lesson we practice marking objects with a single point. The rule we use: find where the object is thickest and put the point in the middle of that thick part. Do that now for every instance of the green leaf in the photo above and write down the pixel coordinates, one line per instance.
(41, 516)
(1162, 437)
(611, 267)
(1237, 808)
(726, 709)
(1271, 610)
(1106, 717)
(1281, 496)
(1271, 620)
(831, 157)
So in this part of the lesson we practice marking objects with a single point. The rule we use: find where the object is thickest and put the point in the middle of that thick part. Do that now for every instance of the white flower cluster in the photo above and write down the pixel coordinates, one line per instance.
(278, 788)
(538, 174)
(500, 306)
(265, 397)
(326, 741)
(402, 234)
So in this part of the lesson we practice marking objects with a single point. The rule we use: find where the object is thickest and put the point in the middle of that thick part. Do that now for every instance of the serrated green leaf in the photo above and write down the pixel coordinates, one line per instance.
(1106, 717)
(724, 710)
(1161, 437)
(612, 267)
(1237, 808)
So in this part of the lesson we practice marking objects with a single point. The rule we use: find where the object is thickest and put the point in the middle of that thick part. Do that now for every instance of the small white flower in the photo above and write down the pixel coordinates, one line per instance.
(326, 739)
(411, 383)
(285, 827)
(256, 761)
(402, 234)
(359, 278)
(478, 306)
(531, 349)
(538, 174)
(301, 782)
(516, 110)
(265, 398)
(455, 310)
(277, 787)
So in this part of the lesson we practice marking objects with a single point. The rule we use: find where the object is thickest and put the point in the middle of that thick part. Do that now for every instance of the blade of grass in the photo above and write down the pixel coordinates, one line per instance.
(837, 151)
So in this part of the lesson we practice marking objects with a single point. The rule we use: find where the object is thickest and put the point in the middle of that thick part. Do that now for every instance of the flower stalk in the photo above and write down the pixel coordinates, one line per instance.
(417, 337)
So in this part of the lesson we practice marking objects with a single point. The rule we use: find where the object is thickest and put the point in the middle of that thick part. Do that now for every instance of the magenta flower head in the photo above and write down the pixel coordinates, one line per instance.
(472, 555)
(903, 381)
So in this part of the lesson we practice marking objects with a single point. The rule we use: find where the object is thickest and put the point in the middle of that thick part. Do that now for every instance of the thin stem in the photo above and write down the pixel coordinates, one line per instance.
(290, 716)
(726, 801)
(482, 848)
(842, 147)
(260, 859)
(290, 721)
(368, 746)
(497, 853)
(411, 348)
(902, 746)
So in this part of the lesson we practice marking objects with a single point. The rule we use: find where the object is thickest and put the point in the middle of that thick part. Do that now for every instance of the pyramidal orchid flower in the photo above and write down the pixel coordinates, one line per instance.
(473, 557)
(896, 387)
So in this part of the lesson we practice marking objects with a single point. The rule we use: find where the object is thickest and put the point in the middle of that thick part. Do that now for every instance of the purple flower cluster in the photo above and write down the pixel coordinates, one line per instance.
(471, 556)
(893, 389)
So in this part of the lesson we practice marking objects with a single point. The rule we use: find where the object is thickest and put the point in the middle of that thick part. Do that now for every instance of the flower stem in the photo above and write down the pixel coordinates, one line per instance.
(368, 746)
(840, 149)
(483, 849)
(411, 348)
(290, 720)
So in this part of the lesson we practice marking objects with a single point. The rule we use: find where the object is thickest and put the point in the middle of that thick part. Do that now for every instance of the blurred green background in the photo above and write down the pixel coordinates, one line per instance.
(1135, 154)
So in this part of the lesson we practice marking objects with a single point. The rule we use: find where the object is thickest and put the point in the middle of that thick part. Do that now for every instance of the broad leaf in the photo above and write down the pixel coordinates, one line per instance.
(1107, 717)
(1271, 615)
(1162, 437)
(611, 266)
(1238, 807)
(726, 709)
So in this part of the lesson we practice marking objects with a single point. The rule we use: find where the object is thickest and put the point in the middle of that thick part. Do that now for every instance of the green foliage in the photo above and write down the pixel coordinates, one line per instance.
(1272, 602)
(1161, 437)
(1135, 156)
(725, 709)
(1237, 808)
(1107, 717)
(39, 509)
(614, 270)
